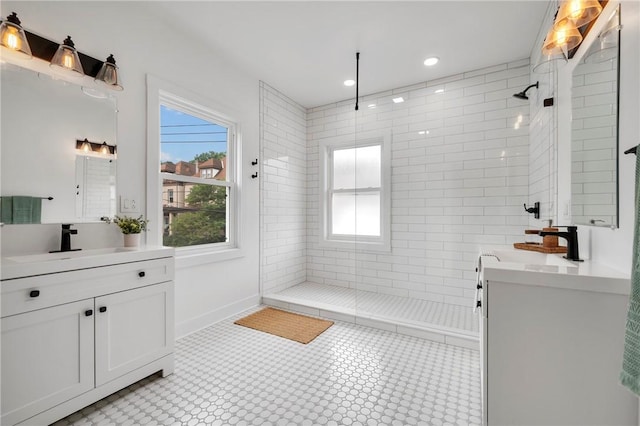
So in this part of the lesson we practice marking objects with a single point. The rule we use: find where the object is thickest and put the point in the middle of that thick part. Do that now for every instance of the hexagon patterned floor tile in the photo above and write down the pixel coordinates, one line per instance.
(350, 375)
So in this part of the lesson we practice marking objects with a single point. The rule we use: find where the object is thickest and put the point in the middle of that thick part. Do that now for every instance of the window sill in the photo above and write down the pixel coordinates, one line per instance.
(187, 257)
(383, 247)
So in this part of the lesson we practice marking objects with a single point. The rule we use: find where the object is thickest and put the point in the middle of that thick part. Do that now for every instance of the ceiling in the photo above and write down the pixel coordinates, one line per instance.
(306, 49)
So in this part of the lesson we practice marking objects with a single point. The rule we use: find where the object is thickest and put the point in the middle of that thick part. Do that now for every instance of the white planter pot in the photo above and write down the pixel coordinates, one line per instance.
(131, 240)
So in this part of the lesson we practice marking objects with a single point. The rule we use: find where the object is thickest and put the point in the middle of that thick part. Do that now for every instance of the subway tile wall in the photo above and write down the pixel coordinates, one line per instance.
(543, 130)
(460, 177)
(283, 162)
(594, 142)
(543, 152)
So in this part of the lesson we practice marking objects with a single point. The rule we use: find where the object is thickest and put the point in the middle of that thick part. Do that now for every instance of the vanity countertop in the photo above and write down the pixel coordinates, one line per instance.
(49, 263)
(552, 270)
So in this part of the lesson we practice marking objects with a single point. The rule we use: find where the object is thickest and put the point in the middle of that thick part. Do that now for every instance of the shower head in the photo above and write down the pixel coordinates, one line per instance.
(523, 94)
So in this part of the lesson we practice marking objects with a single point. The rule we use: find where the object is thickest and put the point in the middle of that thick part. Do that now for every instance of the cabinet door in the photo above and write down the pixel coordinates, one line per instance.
(47, 358)
(133, 328)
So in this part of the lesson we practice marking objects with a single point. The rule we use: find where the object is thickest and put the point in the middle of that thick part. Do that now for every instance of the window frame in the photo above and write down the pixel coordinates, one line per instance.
(365, 243)
(161, 93)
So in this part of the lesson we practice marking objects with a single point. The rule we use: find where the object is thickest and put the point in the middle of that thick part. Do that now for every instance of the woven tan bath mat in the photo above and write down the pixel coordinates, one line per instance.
(299, 328)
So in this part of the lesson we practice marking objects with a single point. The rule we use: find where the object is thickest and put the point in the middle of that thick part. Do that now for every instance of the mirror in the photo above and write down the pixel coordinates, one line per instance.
(594, 131)
(41, 120)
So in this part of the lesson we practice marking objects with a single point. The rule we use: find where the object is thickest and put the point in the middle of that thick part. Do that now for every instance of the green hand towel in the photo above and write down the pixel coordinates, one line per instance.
(36, 209)
(630, 375)
(6, 210)
(22, 209)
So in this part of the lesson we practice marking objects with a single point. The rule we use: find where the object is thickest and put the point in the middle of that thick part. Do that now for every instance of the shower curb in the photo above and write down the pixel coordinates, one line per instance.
(434, 333)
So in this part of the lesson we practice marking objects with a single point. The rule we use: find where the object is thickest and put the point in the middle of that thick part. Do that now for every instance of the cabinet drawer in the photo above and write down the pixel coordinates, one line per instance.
(28, 294)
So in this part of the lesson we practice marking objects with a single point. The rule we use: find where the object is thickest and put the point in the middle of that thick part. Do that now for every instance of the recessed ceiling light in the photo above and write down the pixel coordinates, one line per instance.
(349, 83)
(439, 91)
(371, 106)
(398, 100)
(429, 62)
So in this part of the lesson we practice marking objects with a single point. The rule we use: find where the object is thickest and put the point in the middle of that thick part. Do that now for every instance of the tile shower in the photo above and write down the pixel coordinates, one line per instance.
(459, 179)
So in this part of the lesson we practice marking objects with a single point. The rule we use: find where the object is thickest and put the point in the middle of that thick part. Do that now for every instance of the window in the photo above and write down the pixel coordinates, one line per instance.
(196, 147)
(355, 196)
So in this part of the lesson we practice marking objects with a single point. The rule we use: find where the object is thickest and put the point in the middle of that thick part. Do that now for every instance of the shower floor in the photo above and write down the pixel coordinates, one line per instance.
(442, 322)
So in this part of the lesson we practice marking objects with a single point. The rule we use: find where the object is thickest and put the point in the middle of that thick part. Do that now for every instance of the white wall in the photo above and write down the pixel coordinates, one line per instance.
(612, 247)
(142, 44)
(459, 187)
(283, 155)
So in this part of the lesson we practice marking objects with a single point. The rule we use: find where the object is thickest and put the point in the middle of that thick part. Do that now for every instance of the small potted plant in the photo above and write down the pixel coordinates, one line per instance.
(131, 228)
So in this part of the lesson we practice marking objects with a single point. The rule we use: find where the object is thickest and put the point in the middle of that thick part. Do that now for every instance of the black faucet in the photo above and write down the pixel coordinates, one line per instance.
(572, 241)
(65, 241)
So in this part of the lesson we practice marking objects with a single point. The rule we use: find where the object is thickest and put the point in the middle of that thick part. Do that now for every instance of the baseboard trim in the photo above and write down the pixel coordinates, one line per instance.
(192, 325)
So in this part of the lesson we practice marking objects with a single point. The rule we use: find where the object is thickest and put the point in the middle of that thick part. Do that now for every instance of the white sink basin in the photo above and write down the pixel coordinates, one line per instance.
(532, 258)
(67, 255)
(13, 267)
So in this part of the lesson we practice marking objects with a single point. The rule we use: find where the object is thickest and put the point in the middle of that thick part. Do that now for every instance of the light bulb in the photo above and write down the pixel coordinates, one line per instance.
(86, 147)
(576, 9)
(67, 61)
(12, 40)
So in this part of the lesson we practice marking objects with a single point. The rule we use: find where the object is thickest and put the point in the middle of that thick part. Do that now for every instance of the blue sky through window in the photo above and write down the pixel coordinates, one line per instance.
(183, 136)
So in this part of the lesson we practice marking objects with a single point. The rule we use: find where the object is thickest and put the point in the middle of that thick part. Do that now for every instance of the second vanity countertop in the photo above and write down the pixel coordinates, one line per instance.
(552, 270)
(49, 263)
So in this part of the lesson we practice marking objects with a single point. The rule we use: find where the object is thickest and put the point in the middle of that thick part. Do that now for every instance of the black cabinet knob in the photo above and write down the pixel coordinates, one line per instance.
(478, 304)
(478, 286)
(88, 313)
(34, 293)
(141, 274)
(103, 309)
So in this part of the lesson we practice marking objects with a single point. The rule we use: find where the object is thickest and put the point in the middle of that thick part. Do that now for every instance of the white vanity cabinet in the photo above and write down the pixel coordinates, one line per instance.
(552, 343)
(74, 336)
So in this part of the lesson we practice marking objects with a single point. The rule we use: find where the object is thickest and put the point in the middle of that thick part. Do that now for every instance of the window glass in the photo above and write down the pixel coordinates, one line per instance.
(191, 144)
(356, 214)
(357, 167)
(195, 181)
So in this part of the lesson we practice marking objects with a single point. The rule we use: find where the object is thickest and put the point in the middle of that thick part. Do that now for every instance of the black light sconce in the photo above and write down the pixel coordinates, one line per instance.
(97, 147)
(21, 43)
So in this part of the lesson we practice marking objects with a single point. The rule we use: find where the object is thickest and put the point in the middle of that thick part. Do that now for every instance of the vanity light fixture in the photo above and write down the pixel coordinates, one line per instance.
(13, 38)
(577, 13)
(563, 38)
(109, 75)
(66, 58)
(86, 146)
(566, 34)
(606, 46)
(549, 59)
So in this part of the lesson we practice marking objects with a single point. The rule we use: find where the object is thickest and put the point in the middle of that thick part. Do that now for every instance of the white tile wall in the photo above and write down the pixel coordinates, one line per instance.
(543, 152)
(459, 186)
(283, 190)
(594, 142)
